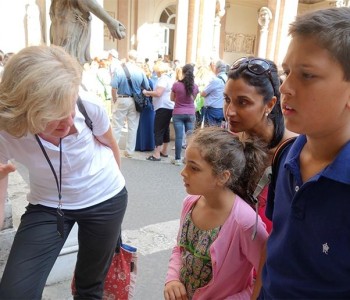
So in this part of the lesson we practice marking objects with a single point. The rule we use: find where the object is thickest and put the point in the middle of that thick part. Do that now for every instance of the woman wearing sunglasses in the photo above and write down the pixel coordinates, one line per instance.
(252, 107)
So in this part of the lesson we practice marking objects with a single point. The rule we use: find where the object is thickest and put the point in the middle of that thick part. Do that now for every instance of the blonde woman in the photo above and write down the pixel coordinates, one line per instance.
(42, 128)
(163, 107)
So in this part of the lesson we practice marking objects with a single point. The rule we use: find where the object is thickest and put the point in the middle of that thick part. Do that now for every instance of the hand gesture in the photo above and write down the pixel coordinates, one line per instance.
(117, 29)
(5, 169)
(175, 290)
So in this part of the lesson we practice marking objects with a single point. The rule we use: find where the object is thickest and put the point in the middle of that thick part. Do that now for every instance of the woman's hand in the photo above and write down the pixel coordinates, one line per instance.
(175, 290)
(146, 93)
(5, 169)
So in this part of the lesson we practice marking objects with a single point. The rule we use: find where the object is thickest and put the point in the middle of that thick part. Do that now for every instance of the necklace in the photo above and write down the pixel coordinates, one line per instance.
(60, 214)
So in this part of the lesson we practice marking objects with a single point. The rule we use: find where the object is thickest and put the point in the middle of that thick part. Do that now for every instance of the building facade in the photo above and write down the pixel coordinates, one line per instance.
(187, 30)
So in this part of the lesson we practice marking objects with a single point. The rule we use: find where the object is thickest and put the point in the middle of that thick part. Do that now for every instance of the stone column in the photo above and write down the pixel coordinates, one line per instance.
(206, 28)
(219, 13)
(33, 22)
(265, 16)
(284, 12)
(180, 42)
(123, 15)
(192, 30)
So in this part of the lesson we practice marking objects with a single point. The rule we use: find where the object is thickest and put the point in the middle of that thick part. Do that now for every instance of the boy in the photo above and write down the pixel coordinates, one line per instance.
(307, 252)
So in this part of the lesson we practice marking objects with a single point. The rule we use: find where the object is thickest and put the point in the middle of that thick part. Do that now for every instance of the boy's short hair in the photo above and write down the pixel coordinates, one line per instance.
(330, 28)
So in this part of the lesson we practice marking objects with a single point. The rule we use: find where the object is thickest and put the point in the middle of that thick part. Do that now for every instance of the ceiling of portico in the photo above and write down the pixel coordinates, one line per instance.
(310, 1)
(264, 2)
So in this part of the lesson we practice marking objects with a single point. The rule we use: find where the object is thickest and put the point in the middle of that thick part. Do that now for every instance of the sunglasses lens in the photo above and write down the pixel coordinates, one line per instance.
(258, 66)
(238, 62)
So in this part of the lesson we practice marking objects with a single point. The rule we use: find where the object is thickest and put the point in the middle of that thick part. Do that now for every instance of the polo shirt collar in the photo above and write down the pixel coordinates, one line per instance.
(338, 170)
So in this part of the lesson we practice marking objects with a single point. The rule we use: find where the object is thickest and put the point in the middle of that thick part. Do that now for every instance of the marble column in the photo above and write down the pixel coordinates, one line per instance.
(284, 12)
(181, 26)
(206, 28)
(123, 15)
(33, 22)
(219, 13)
(192, 31)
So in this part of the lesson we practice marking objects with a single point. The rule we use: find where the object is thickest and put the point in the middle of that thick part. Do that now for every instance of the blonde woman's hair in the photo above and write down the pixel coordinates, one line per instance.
(39, 85)
(161, 67)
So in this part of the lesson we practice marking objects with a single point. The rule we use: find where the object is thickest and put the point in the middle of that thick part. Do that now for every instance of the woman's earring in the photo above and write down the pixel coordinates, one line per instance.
(266, 114)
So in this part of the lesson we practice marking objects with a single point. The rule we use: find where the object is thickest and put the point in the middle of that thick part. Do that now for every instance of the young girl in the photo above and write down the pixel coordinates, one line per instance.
(215, 252)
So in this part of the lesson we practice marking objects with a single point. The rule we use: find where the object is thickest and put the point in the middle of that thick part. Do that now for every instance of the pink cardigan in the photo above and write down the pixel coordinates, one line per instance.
(233, 254)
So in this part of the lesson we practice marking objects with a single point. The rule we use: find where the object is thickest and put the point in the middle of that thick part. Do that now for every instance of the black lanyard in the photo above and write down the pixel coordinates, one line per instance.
(60, 214)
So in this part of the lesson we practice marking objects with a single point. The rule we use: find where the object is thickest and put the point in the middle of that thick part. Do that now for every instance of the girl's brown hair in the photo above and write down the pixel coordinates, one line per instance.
(245, 160)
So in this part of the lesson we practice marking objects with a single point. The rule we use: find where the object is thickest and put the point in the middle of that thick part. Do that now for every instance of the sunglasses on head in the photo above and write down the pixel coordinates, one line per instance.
(257, 66)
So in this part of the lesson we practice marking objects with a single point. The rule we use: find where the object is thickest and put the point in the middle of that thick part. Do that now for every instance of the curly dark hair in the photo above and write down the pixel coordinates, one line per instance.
(188, 78)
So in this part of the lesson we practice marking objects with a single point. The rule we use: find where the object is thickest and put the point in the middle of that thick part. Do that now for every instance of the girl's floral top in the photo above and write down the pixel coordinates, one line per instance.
(196, 270)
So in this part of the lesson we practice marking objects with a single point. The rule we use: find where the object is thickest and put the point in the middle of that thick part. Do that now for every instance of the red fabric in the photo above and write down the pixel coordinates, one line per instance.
(262, 206)
(120, 279)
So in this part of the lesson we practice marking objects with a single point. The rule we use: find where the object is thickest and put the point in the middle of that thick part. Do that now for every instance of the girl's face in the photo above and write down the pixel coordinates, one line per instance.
(315, 97)
(198, 174)
(244, 108)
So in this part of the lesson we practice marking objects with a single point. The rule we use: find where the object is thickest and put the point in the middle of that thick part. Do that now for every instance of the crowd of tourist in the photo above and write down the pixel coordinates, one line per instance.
(182, 96)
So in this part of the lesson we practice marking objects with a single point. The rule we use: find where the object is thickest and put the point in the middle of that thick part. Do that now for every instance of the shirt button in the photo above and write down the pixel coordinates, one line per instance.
(296, 188)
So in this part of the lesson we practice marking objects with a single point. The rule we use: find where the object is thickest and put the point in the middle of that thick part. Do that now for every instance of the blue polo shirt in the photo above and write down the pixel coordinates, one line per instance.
(215, 91)
(138, 79)
(308, 249)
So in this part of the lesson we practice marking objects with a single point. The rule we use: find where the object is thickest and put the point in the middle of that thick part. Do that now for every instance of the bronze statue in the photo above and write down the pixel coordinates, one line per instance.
(71, 26)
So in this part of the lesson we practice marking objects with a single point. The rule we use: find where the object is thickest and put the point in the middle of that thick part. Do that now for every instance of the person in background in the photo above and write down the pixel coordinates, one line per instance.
(113, 58)
(145, 131)
(306, 254)
(123, 107)
(74, 173)
(215, 253)
(203, 75)
(163, 107)
(252, 109)
(183, 93)
(212, 112)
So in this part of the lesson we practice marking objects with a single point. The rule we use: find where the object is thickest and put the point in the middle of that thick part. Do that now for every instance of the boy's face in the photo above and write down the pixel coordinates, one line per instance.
(315, 97)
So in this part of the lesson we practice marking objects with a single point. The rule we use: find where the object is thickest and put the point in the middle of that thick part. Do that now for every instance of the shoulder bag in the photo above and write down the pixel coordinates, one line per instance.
(140, 99)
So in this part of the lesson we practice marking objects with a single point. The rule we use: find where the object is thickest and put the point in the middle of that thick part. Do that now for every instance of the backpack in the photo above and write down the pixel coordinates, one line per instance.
(275, 166)
(276, 160)
(269, 178)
